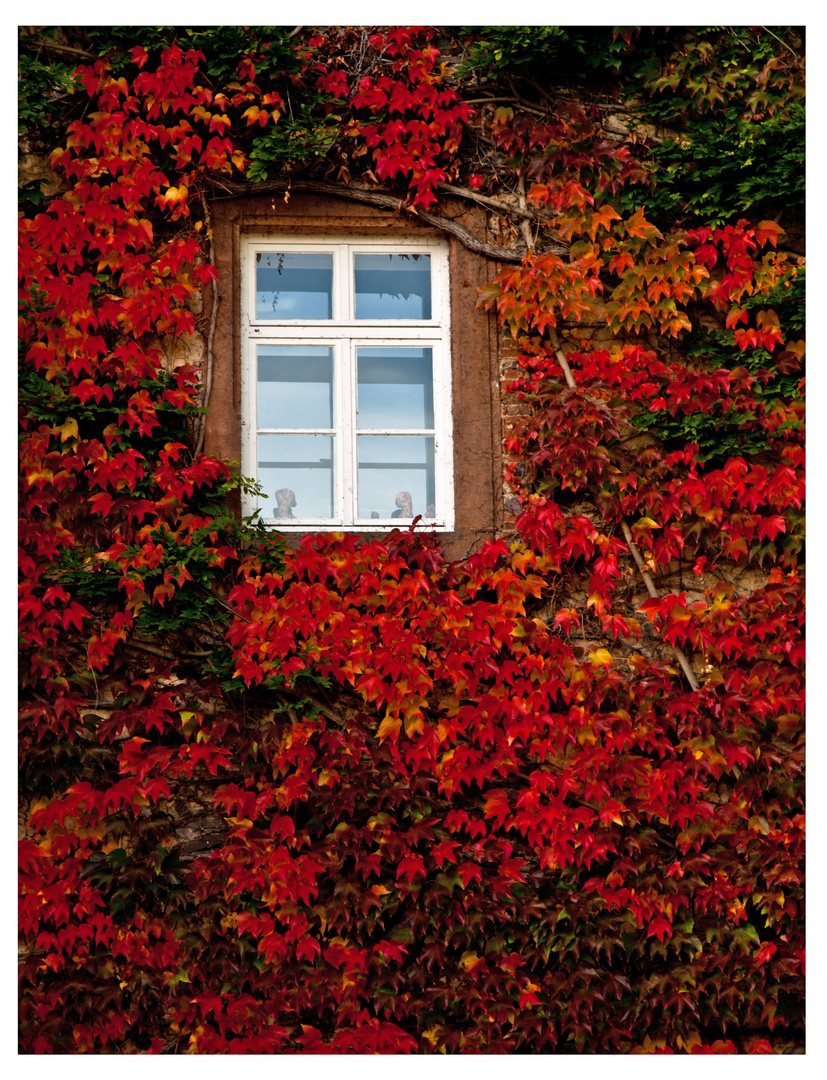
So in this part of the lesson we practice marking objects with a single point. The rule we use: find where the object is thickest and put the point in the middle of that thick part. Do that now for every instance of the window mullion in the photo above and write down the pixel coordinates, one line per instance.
(343, 289)
(347, 424)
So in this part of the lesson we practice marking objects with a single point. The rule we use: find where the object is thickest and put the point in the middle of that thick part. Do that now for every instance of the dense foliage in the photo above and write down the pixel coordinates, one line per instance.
(353, 797)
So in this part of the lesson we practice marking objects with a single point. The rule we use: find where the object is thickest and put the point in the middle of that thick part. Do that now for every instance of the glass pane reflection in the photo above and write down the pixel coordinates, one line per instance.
(395, 388)
(396, 476)
(392, 286)
(295, 386)
(296, 473)
(294, 285)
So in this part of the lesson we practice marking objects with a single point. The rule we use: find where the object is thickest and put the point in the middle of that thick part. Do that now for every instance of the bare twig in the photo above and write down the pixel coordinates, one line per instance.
(653, 592)
(767, 30)
(627, 532)
(562, 361)
(487, 100)
(485, 200)
(378, 198)
(206, 386)
(51, 46)
(316, 704)
(167, 654)
(499, 100)
(525, 228)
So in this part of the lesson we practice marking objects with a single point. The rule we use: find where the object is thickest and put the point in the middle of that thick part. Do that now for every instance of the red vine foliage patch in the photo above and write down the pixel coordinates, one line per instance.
(353, 797)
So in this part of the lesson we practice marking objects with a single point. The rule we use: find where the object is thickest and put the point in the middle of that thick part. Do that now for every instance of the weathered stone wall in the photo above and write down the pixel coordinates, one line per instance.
(484, 361)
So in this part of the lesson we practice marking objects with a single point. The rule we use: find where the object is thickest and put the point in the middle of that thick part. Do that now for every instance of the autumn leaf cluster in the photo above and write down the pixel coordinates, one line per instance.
(352, 796)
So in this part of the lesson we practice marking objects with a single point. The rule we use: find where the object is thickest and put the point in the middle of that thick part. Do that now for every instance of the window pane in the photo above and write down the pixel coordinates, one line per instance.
(393, 286)
(395, 388)
(396, 476)
(294, 285)
(296, 473)
(295, 386)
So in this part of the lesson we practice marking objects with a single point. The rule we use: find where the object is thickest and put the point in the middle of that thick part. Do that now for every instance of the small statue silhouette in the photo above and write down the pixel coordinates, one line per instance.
(404, 502)
(286, 500)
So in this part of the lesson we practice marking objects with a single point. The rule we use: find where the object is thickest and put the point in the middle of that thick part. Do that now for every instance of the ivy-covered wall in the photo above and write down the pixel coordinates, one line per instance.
(366, 794)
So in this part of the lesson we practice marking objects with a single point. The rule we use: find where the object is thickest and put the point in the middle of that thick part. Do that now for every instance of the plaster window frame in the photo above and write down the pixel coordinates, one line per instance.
(477, 365)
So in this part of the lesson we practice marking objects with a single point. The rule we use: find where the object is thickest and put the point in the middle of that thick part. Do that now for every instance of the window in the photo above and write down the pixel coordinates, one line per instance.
(346, 382)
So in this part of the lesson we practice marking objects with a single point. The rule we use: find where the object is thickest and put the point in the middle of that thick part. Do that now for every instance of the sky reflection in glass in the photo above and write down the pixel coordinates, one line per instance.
(294, 285)
(395, 388)
(295, 386)
(392, 286)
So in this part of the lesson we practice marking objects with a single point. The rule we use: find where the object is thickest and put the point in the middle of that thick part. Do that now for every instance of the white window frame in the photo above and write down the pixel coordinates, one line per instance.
(346, 334)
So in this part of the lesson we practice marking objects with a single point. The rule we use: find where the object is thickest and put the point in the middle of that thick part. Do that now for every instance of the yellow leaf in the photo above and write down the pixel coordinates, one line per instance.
(601, 656)
(390, 728)
(413, 722)
(68, 429)
(468, 960)
(679, 614)
(175, 194)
